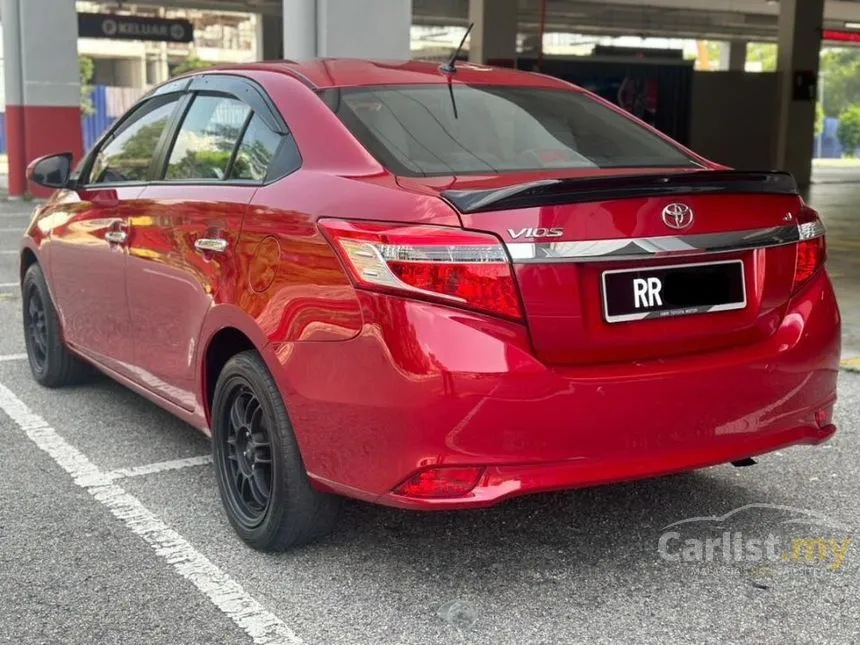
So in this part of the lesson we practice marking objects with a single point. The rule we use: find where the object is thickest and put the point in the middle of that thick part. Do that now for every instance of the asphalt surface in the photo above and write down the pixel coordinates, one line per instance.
(561, 568)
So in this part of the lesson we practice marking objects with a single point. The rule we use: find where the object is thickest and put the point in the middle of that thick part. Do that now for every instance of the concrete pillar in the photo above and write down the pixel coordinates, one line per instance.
(347, 28)
(163, 69)
(800, 23)
(494, 37)
(270, 37)
(733, 56)
(129, 72)
(299, 20)
(364, 28)
(43, 96)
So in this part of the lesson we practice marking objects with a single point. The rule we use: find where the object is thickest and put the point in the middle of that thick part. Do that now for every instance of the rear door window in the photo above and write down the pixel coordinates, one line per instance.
(256, 151)
(204, 145)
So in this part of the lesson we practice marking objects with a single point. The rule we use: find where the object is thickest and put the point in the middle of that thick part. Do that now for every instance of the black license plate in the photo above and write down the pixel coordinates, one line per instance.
(680, 290)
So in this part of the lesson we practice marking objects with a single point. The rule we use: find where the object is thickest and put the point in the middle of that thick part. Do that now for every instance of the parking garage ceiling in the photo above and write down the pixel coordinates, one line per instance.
(717, 19)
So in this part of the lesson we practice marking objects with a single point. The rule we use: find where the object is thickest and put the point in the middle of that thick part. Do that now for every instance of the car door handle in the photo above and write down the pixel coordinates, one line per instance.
(116, 237)
(210, 245)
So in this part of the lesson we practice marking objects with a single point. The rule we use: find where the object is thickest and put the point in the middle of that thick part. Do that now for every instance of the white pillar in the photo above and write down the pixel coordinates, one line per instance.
(163, 64)
(129, 72)
(800, 23)
(494, 36)
(733, 56)
(347, 28)
(299, 29)
(43, 97)
(364, 28)
(14, 95)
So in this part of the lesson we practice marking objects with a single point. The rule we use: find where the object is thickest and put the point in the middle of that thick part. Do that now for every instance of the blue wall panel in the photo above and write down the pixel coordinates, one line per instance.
(95, 124)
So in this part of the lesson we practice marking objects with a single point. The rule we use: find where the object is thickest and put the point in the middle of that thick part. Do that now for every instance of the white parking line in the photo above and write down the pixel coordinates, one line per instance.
(9, 252)
(12, 357)
(159, 467)
(224, 592)
(17, 229)
(9, 285)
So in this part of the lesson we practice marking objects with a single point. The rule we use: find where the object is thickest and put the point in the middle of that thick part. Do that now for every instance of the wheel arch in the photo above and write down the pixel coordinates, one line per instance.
(225, 344)
(28, 259)
(226, 331)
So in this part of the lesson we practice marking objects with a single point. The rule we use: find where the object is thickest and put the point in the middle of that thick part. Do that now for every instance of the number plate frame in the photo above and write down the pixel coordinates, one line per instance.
(672, 312)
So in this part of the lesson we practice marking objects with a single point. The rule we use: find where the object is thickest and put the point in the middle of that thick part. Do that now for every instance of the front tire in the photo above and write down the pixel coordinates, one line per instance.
(51, 362)
(261, 477)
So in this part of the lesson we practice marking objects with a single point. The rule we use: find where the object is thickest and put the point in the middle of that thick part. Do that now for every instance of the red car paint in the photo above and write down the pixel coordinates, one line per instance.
(384, 387)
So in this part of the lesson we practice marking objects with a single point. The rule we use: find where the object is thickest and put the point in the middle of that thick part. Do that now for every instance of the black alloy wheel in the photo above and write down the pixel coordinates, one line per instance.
(51, 363)
(264, 486)
(36, 325)
(248, 451)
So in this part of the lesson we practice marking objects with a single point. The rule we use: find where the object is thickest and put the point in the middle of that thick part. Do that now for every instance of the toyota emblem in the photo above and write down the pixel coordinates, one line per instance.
(677, 216)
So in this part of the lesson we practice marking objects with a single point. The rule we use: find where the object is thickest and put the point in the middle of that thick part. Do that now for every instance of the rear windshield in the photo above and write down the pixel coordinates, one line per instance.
(458, 129)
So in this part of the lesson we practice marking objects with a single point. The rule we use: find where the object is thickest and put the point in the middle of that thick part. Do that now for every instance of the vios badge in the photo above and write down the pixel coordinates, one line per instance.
(534, 233)
(677, 215)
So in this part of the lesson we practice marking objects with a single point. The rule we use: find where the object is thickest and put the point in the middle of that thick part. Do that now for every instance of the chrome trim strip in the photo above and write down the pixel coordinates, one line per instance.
(638, 248)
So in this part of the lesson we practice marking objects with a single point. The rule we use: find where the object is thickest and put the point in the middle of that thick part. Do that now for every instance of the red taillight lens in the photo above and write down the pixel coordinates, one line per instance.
(459, 267)
(440, 482)
(810, 256)
(811, 249)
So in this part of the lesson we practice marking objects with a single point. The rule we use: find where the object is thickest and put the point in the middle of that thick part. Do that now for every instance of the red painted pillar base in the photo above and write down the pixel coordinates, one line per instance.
(15, 151)
(36, 130)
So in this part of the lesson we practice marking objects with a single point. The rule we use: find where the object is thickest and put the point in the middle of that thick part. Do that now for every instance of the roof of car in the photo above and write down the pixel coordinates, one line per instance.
(322, 73)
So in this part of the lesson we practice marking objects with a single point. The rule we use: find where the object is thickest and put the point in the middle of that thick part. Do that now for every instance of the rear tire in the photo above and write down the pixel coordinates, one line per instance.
(51, 362)
(261, 477)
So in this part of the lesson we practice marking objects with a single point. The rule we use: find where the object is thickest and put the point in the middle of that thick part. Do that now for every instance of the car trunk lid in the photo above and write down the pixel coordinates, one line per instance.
(587, 250)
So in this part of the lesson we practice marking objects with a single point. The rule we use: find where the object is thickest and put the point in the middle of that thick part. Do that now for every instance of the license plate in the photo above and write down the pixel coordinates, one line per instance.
(679, 290)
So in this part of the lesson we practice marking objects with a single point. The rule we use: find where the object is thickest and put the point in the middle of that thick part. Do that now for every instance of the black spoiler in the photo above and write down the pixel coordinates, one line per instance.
(548, 192)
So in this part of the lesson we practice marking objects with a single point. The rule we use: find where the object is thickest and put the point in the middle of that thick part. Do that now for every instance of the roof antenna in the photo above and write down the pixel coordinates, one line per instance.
(448, 68)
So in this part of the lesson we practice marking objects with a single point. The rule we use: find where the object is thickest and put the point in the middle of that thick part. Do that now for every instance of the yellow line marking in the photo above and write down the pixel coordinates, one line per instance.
(852, 364)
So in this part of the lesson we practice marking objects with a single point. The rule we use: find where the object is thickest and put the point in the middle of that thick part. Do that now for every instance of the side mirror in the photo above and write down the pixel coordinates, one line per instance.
(51, 171)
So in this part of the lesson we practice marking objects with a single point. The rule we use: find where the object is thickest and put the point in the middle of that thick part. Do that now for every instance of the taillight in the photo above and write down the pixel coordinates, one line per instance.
(451, 265)
(811, 249)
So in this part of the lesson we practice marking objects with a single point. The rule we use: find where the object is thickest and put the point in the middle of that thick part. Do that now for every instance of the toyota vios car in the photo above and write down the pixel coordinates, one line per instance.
(428, 288)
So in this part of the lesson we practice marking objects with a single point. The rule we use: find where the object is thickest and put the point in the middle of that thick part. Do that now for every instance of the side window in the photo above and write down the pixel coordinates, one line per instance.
(127, 154)
(206, 139)
(256, 151)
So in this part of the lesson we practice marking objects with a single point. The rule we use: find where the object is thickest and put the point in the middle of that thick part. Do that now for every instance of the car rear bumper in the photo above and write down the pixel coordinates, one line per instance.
(425, 386)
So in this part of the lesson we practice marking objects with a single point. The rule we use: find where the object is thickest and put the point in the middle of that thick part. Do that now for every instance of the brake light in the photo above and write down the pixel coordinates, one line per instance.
(458, 267)
(811, 249)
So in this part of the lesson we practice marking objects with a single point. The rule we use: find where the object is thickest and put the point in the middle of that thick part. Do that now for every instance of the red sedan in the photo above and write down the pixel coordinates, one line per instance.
(427, 287)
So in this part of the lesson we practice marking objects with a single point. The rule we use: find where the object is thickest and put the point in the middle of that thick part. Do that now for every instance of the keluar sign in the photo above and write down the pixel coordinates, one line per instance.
(102, 25)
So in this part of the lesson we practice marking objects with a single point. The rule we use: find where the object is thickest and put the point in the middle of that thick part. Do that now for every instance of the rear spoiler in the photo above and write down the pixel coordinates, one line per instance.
(549, 192)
